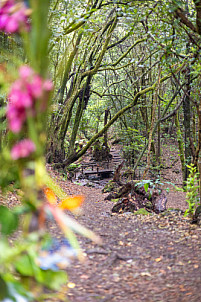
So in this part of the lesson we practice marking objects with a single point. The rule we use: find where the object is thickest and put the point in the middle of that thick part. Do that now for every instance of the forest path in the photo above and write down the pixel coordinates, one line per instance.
(143, 258)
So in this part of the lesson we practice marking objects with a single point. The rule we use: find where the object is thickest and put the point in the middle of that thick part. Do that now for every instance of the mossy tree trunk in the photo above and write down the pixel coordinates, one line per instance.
(187, 122)
(79, 90)
(181, 145)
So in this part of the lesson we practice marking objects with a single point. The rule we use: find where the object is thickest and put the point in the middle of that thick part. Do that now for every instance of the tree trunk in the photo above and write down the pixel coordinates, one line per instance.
(105, 140)
(187, 122)
(181, 146)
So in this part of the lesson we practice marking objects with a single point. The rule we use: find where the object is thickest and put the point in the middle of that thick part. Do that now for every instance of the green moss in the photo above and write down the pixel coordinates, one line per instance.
(109, 187)
(141, 211)
(173, 210)
(149, 205)
(115, 200)
(72, 167)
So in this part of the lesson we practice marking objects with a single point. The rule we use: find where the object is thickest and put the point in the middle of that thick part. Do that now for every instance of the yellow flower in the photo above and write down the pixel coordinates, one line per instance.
(71, 202)
(51, 197)
(68, 203)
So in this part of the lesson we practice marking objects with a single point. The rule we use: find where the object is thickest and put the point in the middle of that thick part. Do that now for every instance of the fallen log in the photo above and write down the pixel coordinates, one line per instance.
(131, 198)
(120, 191)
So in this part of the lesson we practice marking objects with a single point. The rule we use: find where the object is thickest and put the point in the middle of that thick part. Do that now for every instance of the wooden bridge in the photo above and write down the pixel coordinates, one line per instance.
(106, 168)
(96, 169)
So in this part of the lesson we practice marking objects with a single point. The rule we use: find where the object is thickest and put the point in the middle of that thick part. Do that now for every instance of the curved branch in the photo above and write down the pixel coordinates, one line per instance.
(173, 112)
(119, 41)
(180, 13)
(198, 16)
(127, 52)
(77, 155)
(100, 58)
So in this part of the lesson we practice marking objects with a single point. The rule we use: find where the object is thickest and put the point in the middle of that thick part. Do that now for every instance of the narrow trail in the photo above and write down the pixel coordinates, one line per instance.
(142, 258)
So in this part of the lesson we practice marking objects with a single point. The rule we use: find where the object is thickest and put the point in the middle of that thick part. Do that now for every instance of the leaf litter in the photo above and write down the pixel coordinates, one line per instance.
(142, 258)
(152, 258)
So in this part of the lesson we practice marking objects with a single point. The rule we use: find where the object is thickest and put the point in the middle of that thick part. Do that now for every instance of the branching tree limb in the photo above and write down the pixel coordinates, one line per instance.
(77, 155)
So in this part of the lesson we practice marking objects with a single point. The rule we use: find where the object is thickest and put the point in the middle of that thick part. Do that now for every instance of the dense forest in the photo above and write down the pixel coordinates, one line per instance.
(77, 77)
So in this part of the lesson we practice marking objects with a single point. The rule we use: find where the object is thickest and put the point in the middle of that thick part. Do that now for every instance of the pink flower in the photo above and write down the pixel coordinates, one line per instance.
(12, 16)
(19, 95)
(16, 117)
(22, 149)
(3, 21)
(6, 5)
(35, 86)
(24, 94)
(26, 72)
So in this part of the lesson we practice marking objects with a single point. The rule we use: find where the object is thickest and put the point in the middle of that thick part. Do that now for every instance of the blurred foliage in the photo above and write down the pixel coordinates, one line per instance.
(23, 275)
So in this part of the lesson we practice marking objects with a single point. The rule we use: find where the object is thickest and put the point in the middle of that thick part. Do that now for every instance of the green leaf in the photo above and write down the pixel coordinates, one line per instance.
(24, 266)
(27, 266)
(54, 280)
(4, 248)
(8, 221)
(146, 187)
(2, 111)
(3, 289)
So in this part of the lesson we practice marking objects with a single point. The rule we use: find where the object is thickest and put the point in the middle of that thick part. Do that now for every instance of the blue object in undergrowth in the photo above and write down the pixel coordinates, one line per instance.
(57, 244)
(57, 255)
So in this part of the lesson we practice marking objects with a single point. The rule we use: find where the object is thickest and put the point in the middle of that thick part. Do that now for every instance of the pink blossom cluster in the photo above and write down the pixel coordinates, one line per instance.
(27, 95)
(23, 96)
(12, 16)
(22, 149)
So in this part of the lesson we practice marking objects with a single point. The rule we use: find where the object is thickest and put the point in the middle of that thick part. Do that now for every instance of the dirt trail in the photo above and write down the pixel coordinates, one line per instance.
(143, 258)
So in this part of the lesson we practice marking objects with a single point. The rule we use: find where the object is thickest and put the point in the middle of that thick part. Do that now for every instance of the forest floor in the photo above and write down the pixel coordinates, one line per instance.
(142, 258)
